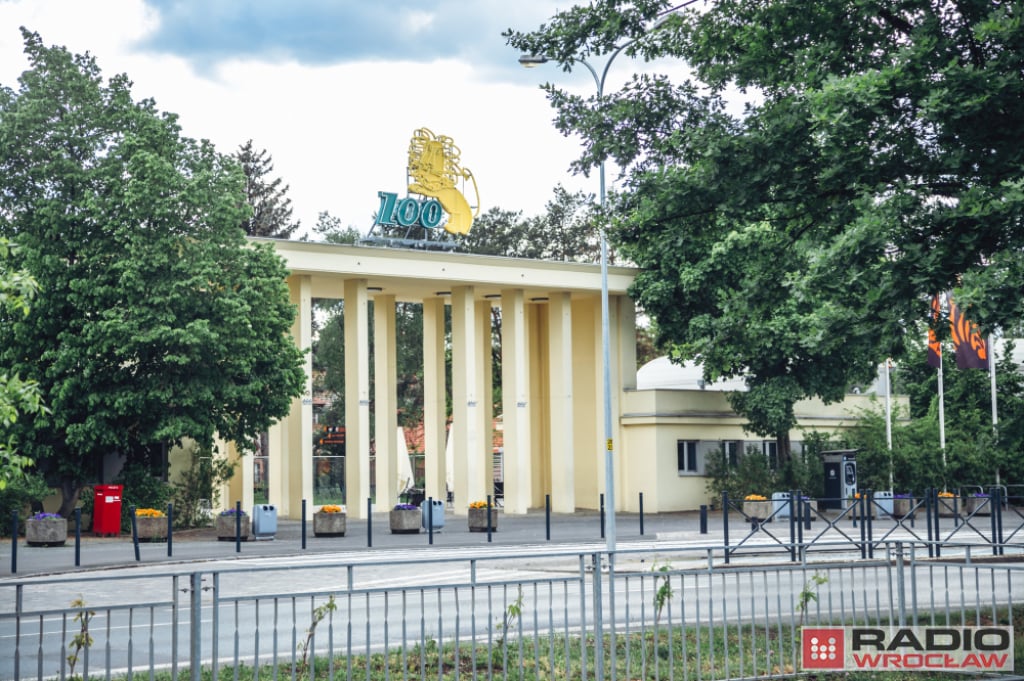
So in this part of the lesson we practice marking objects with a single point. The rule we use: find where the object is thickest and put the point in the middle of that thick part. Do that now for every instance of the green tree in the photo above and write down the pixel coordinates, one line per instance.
(271, 209)
(877, 155)
(18, 397)
(156, 320)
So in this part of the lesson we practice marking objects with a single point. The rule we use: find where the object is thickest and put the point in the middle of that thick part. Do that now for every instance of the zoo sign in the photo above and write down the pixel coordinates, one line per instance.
(434, 171)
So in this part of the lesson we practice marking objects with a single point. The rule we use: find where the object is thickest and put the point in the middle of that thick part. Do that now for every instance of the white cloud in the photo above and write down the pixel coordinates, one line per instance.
(337, 133)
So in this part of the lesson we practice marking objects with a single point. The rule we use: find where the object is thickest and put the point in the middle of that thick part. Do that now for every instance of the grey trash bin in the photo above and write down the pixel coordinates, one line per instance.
(264, 521)
(433, 512)
(781, 506)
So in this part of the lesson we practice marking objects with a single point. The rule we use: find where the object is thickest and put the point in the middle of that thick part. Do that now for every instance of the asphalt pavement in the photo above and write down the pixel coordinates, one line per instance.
(292, 538)
(90, 552)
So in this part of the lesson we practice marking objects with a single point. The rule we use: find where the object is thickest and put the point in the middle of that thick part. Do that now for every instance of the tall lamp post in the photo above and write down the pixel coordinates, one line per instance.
(531, 61)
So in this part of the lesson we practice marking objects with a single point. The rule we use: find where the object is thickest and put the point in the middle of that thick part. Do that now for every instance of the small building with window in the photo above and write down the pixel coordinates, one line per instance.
(674, 420)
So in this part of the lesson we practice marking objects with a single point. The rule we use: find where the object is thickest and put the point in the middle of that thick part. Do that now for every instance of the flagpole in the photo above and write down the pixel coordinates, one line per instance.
(992, 379)
(888, 419)
(942, 421)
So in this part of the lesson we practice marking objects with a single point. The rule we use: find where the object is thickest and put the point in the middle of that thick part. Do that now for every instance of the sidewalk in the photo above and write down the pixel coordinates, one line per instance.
(202, 544)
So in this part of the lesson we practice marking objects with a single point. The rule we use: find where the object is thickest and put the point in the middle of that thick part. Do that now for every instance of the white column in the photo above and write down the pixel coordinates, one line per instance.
(563, 494)
(385, 411)
(357, 399)
(467, 401)
(291, 471)
(486, 391)
(434, 401)
(515, 362)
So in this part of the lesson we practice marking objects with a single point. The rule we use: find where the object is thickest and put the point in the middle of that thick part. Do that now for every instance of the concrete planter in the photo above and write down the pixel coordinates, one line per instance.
(46, 531)
(901, 507)
(948, 506)
(225, 525)
(151, 528)
(757, 510)
(405, 521)
(977, 505)
(478, 519)
(328, 524)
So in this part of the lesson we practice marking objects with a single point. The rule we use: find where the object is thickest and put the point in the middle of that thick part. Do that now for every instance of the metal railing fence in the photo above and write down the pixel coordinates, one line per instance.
(665, 613)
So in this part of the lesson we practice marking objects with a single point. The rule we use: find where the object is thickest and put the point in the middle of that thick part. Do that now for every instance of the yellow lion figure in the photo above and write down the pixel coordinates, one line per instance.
(434, 171)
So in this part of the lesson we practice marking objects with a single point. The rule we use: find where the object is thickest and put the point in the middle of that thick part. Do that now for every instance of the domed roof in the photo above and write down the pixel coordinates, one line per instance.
(664, 374)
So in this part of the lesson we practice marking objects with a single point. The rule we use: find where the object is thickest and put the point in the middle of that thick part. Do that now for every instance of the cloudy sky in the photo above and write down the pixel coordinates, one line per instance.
(333, 89)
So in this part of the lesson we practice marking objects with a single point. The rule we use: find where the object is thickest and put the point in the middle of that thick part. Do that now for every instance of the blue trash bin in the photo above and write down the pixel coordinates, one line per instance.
(433, 512)
(264, 521)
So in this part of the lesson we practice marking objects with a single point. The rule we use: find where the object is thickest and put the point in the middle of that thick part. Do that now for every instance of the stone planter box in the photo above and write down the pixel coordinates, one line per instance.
(757, 510)
(151, 529)
(405, 521)
(947, 506)
(328, 524)
(901, 507)
(225, 525)
(977, 505)
(46, 531)
(478, 519)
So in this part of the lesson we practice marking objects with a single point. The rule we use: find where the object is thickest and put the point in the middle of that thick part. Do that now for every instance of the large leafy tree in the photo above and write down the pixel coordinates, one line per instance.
(18, 398)
(155, 320)
(877, 160)
(271, 208)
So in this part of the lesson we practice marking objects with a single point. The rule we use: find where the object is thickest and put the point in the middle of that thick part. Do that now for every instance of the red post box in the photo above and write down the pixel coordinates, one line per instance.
(106, 510)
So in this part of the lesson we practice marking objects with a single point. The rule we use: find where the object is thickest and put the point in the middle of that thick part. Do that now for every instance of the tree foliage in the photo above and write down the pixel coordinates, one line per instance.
(18, 397)
(566, 231)
(155, 320)
(877, 160)
(271, 208)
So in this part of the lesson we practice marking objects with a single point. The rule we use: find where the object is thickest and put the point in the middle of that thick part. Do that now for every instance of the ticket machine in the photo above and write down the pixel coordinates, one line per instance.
(840, 477)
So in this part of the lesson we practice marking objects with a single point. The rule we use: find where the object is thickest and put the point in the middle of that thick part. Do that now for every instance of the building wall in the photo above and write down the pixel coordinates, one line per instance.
(654, 421)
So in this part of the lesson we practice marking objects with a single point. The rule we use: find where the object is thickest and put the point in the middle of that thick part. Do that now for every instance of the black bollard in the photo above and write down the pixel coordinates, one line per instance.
(602, 515)
(641, 514)
(135, 533)
(547, 516)
(489, 518)
(369, 522)
(238, 527)
(170, 529)
(14, 542)
(430, 520)
(78, 537)
(703, 518)
(303, 512)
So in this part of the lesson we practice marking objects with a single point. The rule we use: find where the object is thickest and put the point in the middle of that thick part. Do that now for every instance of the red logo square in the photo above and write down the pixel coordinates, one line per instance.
(823, 648)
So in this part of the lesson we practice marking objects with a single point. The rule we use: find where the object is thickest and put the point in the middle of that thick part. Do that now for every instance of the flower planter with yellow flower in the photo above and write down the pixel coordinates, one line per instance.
(329, 521)
(150, 524)
(478, 511)
(756, 507)
(949, 505)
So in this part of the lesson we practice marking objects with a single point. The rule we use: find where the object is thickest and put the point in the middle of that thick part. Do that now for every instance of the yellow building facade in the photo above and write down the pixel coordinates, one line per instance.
(552, 386)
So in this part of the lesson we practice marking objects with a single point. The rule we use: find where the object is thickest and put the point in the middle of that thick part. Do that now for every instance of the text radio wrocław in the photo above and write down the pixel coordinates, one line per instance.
(924, 648)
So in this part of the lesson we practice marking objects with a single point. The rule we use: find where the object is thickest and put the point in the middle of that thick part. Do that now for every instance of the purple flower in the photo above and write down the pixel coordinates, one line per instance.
(43, 516)
(979, 494)
(232, 511)
(902, 496)
(406, 507)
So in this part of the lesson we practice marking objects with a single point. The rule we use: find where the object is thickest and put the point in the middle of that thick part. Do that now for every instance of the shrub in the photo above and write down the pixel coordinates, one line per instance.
(201, 482)
(17, 497)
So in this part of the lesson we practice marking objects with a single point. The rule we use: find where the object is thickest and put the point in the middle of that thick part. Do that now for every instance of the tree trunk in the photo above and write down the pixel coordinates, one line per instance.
(70, 490)
(784, 446)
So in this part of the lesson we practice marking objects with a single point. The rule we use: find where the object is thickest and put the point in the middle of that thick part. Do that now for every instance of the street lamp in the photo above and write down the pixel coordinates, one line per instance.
(530, 61)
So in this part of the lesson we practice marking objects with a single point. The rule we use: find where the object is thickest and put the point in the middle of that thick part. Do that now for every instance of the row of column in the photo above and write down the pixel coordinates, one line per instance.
(551, 400)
